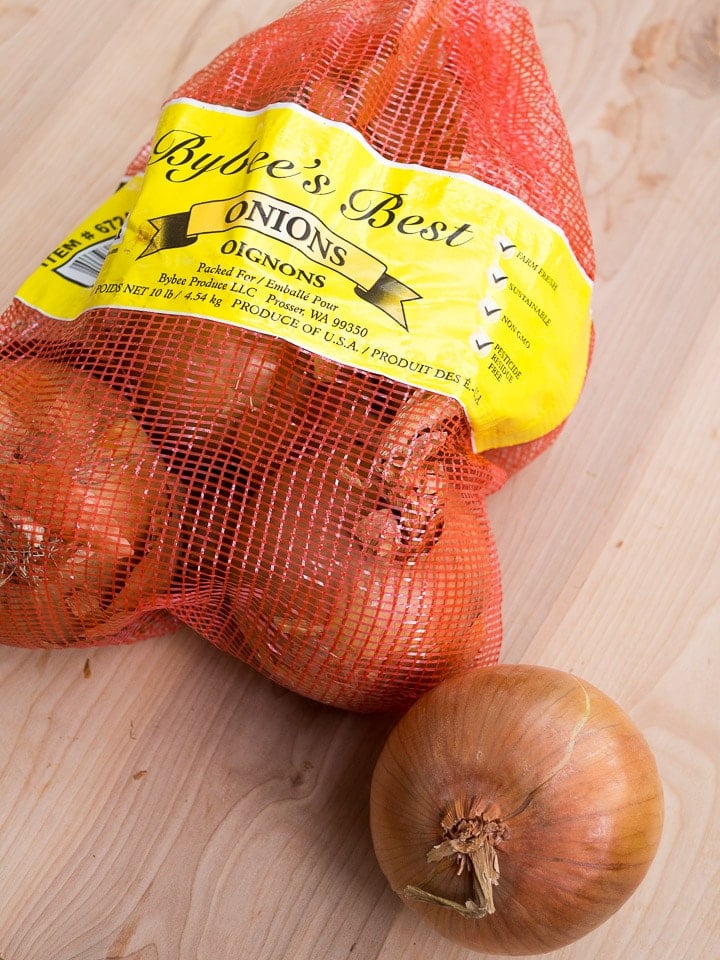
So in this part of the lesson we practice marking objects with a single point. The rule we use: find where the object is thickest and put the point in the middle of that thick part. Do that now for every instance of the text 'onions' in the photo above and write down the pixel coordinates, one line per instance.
(515, 808)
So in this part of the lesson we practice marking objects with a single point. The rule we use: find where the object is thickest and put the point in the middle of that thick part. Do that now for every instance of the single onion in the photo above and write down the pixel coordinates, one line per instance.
(86, 512)
(515, 808)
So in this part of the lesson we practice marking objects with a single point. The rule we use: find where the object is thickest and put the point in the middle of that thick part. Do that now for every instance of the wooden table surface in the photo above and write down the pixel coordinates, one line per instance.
(163, 802)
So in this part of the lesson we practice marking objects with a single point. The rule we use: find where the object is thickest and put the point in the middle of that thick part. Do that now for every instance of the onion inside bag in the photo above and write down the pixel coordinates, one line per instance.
(84, 504)
(201, 389)
(365, 575)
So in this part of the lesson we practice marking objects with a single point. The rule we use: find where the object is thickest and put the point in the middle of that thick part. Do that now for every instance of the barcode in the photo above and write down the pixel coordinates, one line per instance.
(84, 267)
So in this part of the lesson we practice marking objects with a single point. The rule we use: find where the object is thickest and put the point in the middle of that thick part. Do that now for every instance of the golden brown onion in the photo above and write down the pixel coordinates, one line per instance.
(515, 808)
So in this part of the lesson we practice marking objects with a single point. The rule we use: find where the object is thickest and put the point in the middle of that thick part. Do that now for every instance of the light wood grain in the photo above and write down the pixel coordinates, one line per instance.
(165, 803)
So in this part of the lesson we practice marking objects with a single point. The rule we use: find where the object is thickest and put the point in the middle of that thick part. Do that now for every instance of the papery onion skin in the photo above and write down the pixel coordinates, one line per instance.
(568, 780)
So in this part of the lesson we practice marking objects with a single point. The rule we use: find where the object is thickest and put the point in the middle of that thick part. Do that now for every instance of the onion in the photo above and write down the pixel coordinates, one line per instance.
(364, 581)
(195, 382)
(515, 808)
(86, 513)
(400, 77)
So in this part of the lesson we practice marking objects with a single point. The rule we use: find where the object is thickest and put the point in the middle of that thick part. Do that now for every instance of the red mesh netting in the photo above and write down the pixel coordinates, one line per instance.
(324, 524)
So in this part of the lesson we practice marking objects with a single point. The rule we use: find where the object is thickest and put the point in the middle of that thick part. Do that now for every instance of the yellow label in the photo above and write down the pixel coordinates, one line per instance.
(291, 225)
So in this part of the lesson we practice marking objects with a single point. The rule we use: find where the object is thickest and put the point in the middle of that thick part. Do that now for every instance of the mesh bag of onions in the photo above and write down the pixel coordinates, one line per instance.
(265, 390)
